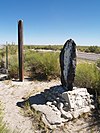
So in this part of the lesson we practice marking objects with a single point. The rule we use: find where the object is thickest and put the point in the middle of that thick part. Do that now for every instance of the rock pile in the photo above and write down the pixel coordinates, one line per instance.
(74, 102)
(62, 106)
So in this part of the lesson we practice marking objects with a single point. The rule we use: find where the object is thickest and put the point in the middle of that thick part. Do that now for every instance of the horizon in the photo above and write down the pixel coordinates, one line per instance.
(82, 45)
(51, 22)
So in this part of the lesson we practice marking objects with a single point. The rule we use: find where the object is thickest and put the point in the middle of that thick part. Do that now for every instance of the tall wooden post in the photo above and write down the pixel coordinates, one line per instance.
(6, 56)
(20, 50)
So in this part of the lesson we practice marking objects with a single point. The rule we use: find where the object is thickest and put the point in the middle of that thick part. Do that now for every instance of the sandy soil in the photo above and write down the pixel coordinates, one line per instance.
(12, 92)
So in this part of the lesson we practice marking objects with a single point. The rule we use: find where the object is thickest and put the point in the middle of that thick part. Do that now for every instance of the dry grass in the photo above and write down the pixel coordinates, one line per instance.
(36, 117)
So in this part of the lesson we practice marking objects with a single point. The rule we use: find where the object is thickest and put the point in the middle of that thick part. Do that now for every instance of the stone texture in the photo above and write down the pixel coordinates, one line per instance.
(62, 106)
(53, 117)
(68, 64)
(77, 99)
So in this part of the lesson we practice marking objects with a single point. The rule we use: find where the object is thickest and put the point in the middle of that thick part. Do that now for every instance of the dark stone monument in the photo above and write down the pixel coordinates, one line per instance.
(68, 64)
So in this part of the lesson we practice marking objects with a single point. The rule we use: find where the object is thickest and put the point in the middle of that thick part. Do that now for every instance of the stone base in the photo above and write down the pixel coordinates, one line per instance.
(61, 106)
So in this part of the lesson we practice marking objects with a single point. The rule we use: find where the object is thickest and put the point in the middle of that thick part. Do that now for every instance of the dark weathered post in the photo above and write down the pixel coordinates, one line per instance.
(6, 56)
(20, 49)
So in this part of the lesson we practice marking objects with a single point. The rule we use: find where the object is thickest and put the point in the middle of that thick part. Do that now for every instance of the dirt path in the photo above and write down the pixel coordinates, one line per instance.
(11, 93)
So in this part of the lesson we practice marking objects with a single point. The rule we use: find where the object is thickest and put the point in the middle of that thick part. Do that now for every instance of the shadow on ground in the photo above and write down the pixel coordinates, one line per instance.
(40, 99)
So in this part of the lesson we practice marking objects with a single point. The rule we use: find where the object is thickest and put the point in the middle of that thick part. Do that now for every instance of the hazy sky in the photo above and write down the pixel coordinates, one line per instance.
(51, 21)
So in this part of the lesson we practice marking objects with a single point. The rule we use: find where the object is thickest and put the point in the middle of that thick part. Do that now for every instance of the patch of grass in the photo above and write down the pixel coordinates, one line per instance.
(3, 128)
(98, 63)
(36, 117)
(87, 75)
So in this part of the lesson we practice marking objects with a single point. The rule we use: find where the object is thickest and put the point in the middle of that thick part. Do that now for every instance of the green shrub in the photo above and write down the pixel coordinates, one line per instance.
(42, 65)
(87, 75)
(93, 49)
(46, 47)
(87, 50)
(82, 48)
(2, 57)
(12, 49)
(98, 63)
(13, 67)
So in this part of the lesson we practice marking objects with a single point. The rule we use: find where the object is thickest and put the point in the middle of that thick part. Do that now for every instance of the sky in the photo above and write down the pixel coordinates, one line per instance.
(51, 21)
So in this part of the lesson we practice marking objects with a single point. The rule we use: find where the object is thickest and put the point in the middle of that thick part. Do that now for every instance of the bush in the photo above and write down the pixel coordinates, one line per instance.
(87, 75)
(42, 65)
(87, 50)
(13, 67)
(46, 47)
(93, 49)
(12, 49)
(2, 57)
(98, 63)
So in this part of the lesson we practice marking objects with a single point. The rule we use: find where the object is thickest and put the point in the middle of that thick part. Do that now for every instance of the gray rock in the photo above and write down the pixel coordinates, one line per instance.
(49, 103)
(60, 106)
(51, 116)
(54, 103)
(86, 109)
(68, 64)
(66, 115)
(92, 107)
(77, 113)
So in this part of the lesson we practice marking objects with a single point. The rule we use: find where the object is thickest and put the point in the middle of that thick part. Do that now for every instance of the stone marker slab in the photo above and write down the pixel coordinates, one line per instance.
(68, 64)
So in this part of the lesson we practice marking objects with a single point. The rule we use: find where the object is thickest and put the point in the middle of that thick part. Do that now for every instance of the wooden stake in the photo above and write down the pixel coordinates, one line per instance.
(6, 55)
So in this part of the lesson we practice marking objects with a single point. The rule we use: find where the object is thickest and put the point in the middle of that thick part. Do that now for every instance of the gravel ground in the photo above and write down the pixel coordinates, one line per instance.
(12, 92)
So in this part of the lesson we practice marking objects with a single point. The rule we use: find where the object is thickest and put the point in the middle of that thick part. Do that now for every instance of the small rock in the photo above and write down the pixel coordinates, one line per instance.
(86, 109)
(92, 107)
(49, 103)
(76, 114)
(60, 106)
(66, 115)
(54, 103)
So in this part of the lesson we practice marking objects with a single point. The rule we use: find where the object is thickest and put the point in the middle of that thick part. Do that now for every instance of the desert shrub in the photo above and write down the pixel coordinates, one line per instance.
(42, 65)
(2, 52)
(98, 63)
(12, 49)
(93, 49)
(46, 47)
(82, 48)
(87, 75)
(13, 67)
(2, 56)
(87, 50)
